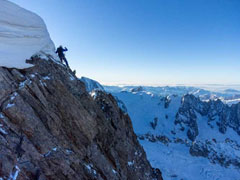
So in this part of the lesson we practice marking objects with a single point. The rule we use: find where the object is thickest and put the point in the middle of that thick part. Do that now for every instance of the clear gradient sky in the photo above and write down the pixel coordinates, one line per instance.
(148, 42)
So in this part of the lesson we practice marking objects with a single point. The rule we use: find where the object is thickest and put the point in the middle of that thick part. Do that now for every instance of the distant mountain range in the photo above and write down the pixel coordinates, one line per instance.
(228, 96)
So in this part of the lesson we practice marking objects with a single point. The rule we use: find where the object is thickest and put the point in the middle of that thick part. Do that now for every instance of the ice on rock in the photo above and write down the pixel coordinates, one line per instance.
(22, 35)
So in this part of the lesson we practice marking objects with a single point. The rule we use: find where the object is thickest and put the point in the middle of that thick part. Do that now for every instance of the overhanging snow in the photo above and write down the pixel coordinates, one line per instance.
(22, 34)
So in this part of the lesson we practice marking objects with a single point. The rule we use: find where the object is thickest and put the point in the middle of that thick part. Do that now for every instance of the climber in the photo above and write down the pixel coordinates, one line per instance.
(60, 52)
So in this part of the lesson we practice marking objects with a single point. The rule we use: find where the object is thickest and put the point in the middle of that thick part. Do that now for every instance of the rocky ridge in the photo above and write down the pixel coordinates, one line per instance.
(51, 128)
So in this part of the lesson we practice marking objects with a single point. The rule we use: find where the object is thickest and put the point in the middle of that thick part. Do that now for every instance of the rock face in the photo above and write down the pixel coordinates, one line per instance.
(217, 113)
(137, 89)
(51, 128)
(216, 155)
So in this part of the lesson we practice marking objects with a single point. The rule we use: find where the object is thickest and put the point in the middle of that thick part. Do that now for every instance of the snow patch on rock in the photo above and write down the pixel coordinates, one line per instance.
(91, 84)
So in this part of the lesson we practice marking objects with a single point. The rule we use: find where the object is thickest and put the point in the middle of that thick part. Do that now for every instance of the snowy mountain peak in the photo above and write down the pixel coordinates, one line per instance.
(137, 89)
(22, 35)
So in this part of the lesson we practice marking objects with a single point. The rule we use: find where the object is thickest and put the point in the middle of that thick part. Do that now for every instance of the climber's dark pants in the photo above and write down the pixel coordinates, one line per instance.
(62, 58)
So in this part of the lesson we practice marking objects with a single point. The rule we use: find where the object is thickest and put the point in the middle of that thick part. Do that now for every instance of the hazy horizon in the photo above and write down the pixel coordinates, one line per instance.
(147, 42)
(211, 87)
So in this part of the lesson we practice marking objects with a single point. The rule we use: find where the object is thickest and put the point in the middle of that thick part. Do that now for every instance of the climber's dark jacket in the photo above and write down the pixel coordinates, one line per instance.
(61, 51)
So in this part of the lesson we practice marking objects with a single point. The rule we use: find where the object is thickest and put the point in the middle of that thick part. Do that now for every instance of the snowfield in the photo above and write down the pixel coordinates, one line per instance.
(22, 35)
(176, 163)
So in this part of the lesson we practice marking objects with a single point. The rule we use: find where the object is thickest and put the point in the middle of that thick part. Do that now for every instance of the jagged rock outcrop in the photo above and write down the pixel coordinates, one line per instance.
(137, 89)
(217, 153)
(121, 105)
(51, 128)
(218, 114)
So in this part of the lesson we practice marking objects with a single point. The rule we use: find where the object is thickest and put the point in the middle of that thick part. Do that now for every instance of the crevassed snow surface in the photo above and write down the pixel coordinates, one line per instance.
(22, 35)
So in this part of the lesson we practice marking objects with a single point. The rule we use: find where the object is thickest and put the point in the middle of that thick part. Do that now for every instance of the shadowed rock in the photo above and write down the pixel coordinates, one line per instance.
(67, 133)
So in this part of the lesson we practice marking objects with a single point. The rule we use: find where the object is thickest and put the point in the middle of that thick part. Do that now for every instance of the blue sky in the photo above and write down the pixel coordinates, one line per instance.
(148, 42)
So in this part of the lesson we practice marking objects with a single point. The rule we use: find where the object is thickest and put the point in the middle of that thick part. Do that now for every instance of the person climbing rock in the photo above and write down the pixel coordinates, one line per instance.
(60, 51)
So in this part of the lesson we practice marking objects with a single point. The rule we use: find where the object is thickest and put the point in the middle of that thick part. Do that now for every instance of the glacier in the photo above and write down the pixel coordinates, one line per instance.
(22, 35)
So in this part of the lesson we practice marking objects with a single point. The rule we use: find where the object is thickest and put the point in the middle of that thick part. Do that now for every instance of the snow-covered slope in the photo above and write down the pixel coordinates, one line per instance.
(91, 84)
(22, 35)
(185, 137)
